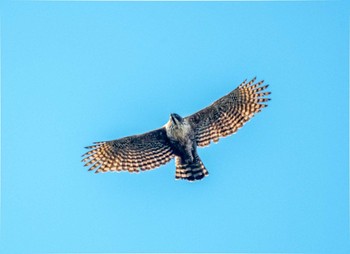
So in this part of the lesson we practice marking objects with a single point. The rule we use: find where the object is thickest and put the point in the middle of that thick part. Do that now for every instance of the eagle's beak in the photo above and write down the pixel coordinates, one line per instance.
(173, 118)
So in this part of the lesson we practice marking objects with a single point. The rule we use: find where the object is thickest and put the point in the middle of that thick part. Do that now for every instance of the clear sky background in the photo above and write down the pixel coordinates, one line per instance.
(78, 72)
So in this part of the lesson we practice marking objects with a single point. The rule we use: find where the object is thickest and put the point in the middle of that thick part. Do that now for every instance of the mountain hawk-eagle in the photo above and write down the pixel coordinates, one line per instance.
(180, 137)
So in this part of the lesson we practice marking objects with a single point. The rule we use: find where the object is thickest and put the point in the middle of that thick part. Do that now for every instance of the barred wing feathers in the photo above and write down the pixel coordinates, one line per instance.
(134, 153)
(226, 115)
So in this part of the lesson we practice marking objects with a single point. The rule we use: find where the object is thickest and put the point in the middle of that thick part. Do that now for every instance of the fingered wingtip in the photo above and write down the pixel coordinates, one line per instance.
(85, 154)
(243, 83)
(251, 81)
(93, 147)
(99, 171)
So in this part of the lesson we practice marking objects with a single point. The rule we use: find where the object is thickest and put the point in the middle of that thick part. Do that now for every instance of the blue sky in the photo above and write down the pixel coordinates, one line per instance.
(77, 72)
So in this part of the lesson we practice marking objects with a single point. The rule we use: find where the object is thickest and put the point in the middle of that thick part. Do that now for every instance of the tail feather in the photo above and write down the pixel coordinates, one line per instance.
(190, 171)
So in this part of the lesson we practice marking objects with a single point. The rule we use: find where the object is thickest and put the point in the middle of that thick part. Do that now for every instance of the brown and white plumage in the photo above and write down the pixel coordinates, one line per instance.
(229, 113)
(180, 136)
(133, 153)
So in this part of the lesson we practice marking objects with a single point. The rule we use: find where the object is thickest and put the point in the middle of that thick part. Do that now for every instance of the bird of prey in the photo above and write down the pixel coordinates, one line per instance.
(180, 137)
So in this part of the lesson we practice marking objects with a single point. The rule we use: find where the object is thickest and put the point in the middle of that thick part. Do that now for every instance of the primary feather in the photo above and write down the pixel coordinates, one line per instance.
(229, 113)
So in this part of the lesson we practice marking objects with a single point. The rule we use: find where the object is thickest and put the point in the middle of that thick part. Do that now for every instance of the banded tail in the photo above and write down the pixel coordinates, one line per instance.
(190, 171)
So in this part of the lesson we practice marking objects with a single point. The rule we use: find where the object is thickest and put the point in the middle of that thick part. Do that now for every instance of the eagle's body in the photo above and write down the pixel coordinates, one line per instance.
(183, 142)
(180, 137)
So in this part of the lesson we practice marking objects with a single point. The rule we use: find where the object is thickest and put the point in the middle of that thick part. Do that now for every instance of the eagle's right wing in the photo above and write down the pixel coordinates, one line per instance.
(226, 115)
(139, 152)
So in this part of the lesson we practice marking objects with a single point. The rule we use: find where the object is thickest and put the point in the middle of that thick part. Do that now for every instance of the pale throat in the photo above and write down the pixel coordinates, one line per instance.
(180, 131)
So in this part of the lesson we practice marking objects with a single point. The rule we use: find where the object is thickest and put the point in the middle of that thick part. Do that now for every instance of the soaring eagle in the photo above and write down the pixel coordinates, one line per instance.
(180, 137)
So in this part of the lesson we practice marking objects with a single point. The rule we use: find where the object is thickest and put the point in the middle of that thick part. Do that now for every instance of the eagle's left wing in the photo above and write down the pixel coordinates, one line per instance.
(139, 152)
(226, 115)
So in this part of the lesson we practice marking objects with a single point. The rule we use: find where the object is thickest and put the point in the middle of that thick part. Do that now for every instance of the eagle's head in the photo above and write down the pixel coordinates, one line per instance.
(177, 128)
(175, 119)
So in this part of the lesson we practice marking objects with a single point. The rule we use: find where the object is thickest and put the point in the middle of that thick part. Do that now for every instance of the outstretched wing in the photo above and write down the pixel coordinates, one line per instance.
(226, 115)
(134, 153)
